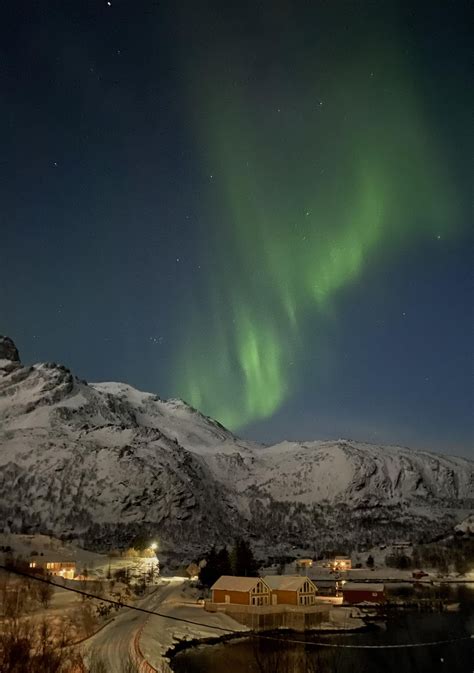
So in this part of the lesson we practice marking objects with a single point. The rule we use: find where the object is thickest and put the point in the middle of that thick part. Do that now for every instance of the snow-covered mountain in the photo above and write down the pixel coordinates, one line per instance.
(105, 461)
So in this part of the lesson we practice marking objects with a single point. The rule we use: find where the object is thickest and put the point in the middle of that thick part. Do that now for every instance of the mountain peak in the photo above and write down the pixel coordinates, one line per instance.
(8, 350)
(105, 461)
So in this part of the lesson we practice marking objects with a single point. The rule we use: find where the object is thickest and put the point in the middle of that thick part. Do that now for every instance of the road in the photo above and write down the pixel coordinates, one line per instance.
(112, 644)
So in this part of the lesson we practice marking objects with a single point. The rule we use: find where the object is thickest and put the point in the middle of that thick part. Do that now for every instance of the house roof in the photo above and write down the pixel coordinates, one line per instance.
(231, 583)
(286, 582)
(325, 583)
(363, 586)
(341, 558)
(51, 558)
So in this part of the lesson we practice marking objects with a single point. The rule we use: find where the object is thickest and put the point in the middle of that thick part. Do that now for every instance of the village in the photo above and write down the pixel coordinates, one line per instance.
(339, 594)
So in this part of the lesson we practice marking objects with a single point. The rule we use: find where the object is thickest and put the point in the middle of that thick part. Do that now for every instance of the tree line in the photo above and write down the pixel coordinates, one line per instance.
(458, 555)
(239, 561)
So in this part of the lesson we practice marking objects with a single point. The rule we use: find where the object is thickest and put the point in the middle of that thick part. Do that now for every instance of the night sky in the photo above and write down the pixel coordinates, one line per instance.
(262, 208)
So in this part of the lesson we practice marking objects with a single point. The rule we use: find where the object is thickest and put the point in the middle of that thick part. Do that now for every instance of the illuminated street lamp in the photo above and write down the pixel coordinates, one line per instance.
(154, 546)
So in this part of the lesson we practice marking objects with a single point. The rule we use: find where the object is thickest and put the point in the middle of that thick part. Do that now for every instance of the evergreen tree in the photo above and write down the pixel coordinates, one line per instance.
(223, 562)
(242, 559)
(461, 564)
(141, 542)
(404, 562)
(370, 562)
(210, 572)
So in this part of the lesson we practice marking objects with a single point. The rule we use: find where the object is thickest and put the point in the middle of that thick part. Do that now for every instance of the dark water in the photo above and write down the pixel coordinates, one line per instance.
(255, 655)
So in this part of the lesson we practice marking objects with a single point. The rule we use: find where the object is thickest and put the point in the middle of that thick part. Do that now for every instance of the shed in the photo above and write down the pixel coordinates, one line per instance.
(240, 591)
(363, 592)
(291, 590)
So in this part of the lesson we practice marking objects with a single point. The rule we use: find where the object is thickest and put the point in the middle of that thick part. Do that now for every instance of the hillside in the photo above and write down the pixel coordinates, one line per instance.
(102, 462)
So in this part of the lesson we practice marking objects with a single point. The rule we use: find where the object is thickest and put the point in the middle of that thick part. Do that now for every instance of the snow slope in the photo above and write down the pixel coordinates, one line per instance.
(105, 461)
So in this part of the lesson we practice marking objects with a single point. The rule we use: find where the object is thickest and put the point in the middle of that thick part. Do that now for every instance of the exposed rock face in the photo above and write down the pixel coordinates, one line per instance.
(8, 350)
(103, 462)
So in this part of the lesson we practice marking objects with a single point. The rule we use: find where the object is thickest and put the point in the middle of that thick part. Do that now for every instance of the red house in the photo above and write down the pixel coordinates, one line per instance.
(353, 592)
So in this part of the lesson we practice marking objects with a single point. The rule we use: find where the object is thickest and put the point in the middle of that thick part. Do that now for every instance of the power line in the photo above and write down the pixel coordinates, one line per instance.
(119, 604)
(262, 636)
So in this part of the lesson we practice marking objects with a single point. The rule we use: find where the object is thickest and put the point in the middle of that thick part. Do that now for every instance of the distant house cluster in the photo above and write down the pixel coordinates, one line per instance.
(340, 563)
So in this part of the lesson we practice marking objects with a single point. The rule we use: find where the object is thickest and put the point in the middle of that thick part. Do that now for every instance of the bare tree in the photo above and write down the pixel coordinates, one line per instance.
(25, 646)
(44, 593)
(85, 617)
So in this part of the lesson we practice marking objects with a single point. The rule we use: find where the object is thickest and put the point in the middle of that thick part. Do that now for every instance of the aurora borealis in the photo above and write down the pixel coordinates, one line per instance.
(261, 208)
(344, 171)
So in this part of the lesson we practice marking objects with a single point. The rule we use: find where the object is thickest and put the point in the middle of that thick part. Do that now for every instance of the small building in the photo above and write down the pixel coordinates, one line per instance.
(240, 591)
(327, 587)
(291, 590)
(54, 566)
(303, 563)
(363, 592)
(340, 563)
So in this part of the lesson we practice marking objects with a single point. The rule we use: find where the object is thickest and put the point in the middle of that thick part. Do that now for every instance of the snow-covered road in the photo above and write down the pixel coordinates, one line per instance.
(113, 644)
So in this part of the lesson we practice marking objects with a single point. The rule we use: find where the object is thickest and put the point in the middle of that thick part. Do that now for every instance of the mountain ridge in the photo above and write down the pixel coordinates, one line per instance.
(102, 462)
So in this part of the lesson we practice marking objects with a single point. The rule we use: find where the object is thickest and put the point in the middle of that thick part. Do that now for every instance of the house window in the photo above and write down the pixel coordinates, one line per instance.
(259, 600)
